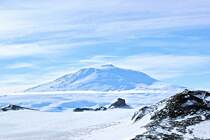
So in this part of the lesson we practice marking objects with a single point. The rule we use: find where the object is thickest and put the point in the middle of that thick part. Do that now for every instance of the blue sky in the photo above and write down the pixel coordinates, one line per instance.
(41, 40)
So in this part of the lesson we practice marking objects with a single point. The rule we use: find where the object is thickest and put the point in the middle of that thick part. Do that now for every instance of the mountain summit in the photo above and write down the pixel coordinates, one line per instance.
(104, 78)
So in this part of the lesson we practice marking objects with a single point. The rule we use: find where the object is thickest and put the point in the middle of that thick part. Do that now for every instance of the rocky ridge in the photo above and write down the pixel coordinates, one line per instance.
(170, 118)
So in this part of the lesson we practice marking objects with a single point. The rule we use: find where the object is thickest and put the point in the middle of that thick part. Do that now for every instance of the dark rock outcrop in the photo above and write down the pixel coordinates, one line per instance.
(11, 107)
(174, 115)
(90, 109)
(83, 109)
(102, 108)
(120, 103)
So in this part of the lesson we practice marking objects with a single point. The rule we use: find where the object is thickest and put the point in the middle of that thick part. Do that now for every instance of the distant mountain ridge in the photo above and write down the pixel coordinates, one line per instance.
(104, 78)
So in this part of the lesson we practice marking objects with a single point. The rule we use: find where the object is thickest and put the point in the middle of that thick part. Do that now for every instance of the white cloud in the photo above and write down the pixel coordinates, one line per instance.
(49, 23)
(96, 17)
(165, 61)
(21, 50)
(43, 48)
(20, 65)
(172, 22)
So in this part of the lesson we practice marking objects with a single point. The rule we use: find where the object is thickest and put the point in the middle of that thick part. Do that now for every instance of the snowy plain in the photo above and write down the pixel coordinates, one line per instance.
(33, 125)
(55, 119)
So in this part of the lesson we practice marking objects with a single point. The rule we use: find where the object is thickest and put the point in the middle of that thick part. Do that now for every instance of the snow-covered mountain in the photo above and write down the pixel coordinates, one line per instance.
(104, 78)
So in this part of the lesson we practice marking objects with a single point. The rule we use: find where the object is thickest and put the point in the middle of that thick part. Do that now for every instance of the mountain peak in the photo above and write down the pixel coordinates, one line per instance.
(108, 66)
(106, 78)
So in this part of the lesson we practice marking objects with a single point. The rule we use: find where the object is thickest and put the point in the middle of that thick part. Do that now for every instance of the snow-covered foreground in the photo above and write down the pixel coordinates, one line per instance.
(57, 121)
(68, 125)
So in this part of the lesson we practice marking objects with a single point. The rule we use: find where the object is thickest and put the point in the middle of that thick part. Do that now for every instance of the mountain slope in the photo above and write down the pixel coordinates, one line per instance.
(176, 117)
(105, 78)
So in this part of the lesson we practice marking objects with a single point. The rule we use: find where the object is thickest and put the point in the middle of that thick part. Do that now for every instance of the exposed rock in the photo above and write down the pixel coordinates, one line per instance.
(161, 136)
(90, 109)
(14, 108)
(174, 115)
(141, 113)
(83, 109)
(102, 108)
(120, 103)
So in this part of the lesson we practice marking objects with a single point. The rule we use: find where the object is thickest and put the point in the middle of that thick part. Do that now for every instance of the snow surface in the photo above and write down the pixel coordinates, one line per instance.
(57, 121)
(200, 130)
(68, 125)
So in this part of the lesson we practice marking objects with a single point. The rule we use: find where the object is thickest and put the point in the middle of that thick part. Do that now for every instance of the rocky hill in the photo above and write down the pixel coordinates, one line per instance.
(176, 117)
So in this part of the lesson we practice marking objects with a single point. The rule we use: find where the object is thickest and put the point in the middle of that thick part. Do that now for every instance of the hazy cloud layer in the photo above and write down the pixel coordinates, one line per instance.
(167, 39)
